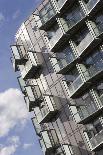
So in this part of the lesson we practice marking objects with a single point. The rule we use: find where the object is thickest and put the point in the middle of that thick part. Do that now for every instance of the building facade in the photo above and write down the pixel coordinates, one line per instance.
(58, 53)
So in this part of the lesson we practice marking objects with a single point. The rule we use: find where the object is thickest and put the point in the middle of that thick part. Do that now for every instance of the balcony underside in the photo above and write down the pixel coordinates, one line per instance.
(90, 118)
(49, 116)
(95, 8)
(48, 24)
(67, 68)
(33, 72)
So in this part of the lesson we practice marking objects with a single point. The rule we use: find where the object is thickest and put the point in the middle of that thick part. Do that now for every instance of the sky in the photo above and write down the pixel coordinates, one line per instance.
(17, 135)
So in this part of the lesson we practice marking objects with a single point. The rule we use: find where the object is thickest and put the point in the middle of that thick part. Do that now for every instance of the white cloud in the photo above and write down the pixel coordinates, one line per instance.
(27, 146)
(14, 140)
(12, 147)
(13, 111)
(16, 14)
(2, 18)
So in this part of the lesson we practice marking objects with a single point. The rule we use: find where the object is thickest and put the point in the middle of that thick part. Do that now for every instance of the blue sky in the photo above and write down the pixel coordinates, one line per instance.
(17, 136)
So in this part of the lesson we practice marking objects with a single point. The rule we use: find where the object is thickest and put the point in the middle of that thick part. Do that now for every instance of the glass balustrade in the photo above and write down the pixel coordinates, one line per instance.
(55, 39)
(36, 125)
(75, 85)
(97, 141)
(22, 84)
(85, 43)
(91, 4)
(65, 63)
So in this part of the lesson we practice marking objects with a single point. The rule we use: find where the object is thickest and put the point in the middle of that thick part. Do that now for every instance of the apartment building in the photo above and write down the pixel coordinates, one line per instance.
(58, 53)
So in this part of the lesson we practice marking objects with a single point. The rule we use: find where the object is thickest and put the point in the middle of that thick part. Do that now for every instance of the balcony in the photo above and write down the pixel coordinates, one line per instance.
(48, 19)
(57, 40)
(66, 63)
(74, 22)
(78, 86)
(36, 125)
(31, 70)
(19, 56)
(92, 74)
(99, 30)
(68, 149)
(22, 85)
(33, 97)
(95, 72)
(47, 110)
(97, 141)
(88, 112)
(49, 141)
(87, 44)
(93, 6)
(63, 4)
(69, 26)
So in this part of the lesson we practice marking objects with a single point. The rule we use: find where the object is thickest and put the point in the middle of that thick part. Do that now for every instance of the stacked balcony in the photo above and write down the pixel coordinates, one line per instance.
(88, 112)
(63, 4)
(73, 19)
(32, 68)
(49, 141)
(93, 6)
(98, 25)
(85, 109)
(19, 56)
(56, 39)
(36, 125)
(94, 136)
(22, 84)
(97, 141)
(33, 97)
(66, 60)
(70, 24)
(47, 110)
(77, 86)
(87, 44)
(47, 16)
